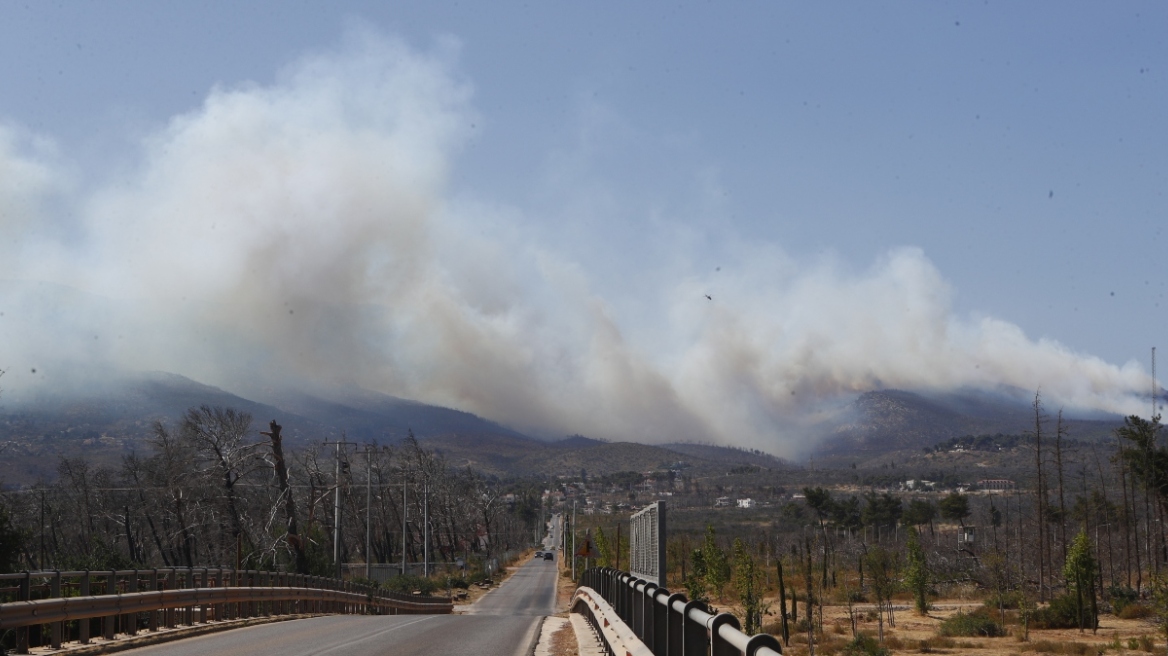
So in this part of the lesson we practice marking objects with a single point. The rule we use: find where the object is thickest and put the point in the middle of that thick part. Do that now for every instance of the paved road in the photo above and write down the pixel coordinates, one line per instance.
(530, 591)
(502, 623)
(364, 636)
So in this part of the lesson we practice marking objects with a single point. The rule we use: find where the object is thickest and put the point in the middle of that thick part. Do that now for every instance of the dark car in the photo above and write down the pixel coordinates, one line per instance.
(548, 555)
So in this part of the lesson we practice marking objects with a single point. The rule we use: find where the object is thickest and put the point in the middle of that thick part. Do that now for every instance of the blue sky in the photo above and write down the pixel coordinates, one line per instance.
(1011, 156)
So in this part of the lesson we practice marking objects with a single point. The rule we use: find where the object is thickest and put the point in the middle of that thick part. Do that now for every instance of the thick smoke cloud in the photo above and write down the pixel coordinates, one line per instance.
(301, 235)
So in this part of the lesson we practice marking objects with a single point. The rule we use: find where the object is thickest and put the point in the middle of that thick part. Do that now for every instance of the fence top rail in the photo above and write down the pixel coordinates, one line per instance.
(50, 573)
(729, 632)
(308, 585)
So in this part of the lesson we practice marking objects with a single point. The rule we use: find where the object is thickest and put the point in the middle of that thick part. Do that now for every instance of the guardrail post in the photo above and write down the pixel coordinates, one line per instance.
(154, 588)
(648, 601)
(172, 584)
(130, 621)
(107, 622)
(695, 640)
(22, 632)
(220, 582)
(83, 625)
(203, 605)
(762, 640)
(674, 641)
(628, 591)
(188, 612)
(660, 620)
(719, 645)
(58, 627)
(637, 609)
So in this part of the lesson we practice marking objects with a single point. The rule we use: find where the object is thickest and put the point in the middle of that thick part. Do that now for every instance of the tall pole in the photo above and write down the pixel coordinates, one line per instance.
(425, 529)
(368, 516)
(337, 504)
(337, 514)
(573, 554)
(405, 509)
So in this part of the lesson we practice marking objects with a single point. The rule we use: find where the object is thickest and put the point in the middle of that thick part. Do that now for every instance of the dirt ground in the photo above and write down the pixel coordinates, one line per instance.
(915, 634)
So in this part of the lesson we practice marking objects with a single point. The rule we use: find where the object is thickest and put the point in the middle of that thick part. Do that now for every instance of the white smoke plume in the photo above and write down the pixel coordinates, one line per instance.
(302, 234)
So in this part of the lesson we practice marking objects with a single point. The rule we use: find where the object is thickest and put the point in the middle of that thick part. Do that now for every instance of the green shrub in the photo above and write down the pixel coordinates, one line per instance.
(1006, 601)
(1135, 611)
(864, 645)
(1120, 596)
(1062, 613)
(408, 584)
(975, 624)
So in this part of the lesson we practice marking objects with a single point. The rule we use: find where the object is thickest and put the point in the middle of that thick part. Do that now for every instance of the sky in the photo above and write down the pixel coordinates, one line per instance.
(654, 222)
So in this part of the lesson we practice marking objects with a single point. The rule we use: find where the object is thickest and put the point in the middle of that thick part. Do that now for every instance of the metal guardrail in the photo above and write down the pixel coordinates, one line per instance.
(130, 600)
(667, 623)
(614, 634)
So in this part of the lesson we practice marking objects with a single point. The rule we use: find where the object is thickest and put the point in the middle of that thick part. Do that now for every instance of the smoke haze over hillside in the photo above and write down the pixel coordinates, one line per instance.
(304, 233)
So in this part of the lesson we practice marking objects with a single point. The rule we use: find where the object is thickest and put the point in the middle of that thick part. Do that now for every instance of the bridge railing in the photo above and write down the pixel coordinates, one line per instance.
(70, 603)
(667, 623)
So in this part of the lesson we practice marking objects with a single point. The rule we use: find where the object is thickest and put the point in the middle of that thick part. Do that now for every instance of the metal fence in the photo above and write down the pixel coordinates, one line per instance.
(647, 543)
(48, 608)
(670, 625)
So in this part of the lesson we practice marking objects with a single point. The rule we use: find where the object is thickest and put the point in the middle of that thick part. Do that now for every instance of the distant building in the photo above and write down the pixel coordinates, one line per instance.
(746, 503)
(722, 502)
(996, 484)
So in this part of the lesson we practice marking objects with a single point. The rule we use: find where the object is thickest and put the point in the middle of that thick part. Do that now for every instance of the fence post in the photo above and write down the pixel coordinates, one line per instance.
(647, 601)
(130, 620)
(762, 640)
(203, 605)
(109, 621)
(719, 645)
(154, 588)
(695, 640)
(189, 584)
(636, 609)
(171, 583)
(83, 625)
(674, 641)
(55, 593)
(22, 632)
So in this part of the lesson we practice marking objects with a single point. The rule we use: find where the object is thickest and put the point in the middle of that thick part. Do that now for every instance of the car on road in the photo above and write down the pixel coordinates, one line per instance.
(540, 554)
(549, 555)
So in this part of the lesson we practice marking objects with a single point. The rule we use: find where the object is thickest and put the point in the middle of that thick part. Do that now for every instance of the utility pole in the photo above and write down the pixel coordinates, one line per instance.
(337, 506)
(405, 509)
(426, 529)
(368, 513)
(573, 539)
(337, 514)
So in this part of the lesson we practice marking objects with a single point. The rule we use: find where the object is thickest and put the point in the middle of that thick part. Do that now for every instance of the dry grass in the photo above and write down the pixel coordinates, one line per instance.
(917, 634)
(564, 642)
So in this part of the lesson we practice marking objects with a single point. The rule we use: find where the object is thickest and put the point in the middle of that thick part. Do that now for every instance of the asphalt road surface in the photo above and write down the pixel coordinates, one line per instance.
(502, 623)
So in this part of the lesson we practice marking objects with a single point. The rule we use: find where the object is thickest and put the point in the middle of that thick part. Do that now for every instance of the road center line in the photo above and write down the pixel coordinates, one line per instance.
(373, 635)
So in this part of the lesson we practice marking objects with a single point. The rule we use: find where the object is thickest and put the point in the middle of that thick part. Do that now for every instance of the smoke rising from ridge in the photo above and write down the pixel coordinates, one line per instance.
(302, 234)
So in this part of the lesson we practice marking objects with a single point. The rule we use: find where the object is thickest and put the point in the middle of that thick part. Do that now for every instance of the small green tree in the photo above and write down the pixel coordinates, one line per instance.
(605, 549)
(11, 541)
(1160, 599)
(916, 575)
(884, 571)
(695, 581)
(955, 507)
(918, 513)
(1079, 571)
(717, 566)
(748, 584)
